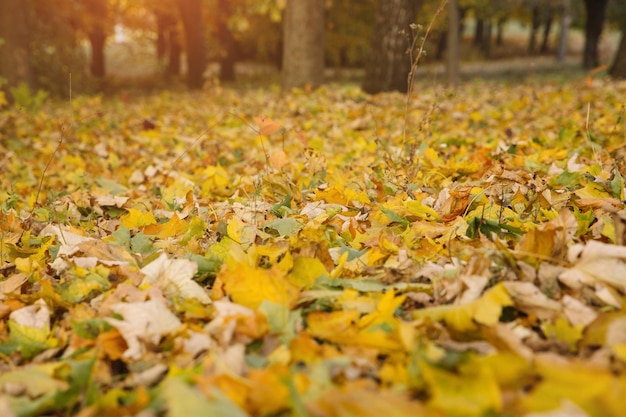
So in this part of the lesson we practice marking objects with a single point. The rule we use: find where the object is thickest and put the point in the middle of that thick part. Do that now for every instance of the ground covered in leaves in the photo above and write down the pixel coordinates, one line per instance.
(316, 254)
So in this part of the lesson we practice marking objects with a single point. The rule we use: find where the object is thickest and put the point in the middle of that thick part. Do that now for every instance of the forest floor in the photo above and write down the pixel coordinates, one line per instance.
(244, 252)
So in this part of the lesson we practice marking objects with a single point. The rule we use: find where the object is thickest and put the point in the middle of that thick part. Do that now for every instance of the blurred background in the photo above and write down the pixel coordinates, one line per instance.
(107, 45)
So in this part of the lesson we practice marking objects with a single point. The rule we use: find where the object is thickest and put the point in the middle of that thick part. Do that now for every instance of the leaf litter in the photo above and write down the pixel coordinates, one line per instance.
(262, 254)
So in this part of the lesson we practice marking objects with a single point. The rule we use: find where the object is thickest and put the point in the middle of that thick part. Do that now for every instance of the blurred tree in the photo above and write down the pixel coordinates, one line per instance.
(303, 48)
(542, 15)
(617, 16)
(193, 23)
(97, 23)
(389, 64)
(348, 32)
(596, 10)
(453, 43)
(168, 43)
(226, 38)
(15, 54)
(56, 52)
(618, 67)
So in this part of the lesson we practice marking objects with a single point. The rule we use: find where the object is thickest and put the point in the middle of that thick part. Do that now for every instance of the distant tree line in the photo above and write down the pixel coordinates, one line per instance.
(42, 41)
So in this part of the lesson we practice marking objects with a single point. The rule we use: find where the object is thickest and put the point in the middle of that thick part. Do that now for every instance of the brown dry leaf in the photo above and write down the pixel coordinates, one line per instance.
(529, 299)
(360, 400)
(596, 261)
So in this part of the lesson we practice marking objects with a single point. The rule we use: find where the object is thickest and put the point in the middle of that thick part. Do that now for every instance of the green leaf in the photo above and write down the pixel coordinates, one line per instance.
(567, 179)
(196, 229)
(284, 226)
(281, 320)
(29, 341)
(352, 253)
(394, 217)
(140, 243)
(90, 328)
(111, 186)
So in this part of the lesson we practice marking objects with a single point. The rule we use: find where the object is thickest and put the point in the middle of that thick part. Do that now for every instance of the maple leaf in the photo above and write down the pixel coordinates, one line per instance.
(143, 323)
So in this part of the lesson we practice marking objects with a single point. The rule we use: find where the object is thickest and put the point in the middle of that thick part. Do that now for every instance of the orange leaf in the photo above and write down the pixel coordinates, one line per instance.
(266, 125)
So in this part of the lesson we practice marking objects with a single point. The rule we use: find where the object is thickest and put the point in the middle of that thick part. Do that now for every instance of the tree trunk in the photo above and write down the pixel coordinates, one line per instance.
(442, 43)
(452, 63)
(96, 13)
(618, 68)
(487, 38)
(97, 40)
(191, 14)
(162, 28)
(549, 15)
(596, 10)
(15, 60)
(500, 31)
(303, 47)
(534, 28)
(479, 31)
(174, 51)
(388, 65)
(228, 43)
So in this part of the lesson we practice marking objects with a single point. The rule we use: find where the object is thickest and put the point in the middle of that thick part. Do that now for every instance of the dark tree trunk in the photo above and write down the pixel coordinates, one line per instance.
(228, 44)
(462, 14)
(389, 64)
(174, 51)
(97, 39)
(303, 47)
(487, 38)
(618, 68)
(479, 31)
(500, 31)
(596, 10)
(15, 60)
(96, 17)
(191, 14)
(442, 42)
(545, 43)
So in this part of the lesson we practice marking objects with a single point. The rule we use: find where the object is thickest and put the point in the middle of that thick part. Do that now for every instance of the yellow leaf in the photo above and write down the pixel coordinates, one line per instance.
(431, 157)
(250, 286)
(510, 370)
(471, 391)
(305, 271)
(416, 208)
(216, 182)
(269, 394)
(587, 386)
(173, 227)
(384, 312)
(235, 229)
(463, 318)
(339, 327)
(564, 331)
(135, 219)
(331, 325)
